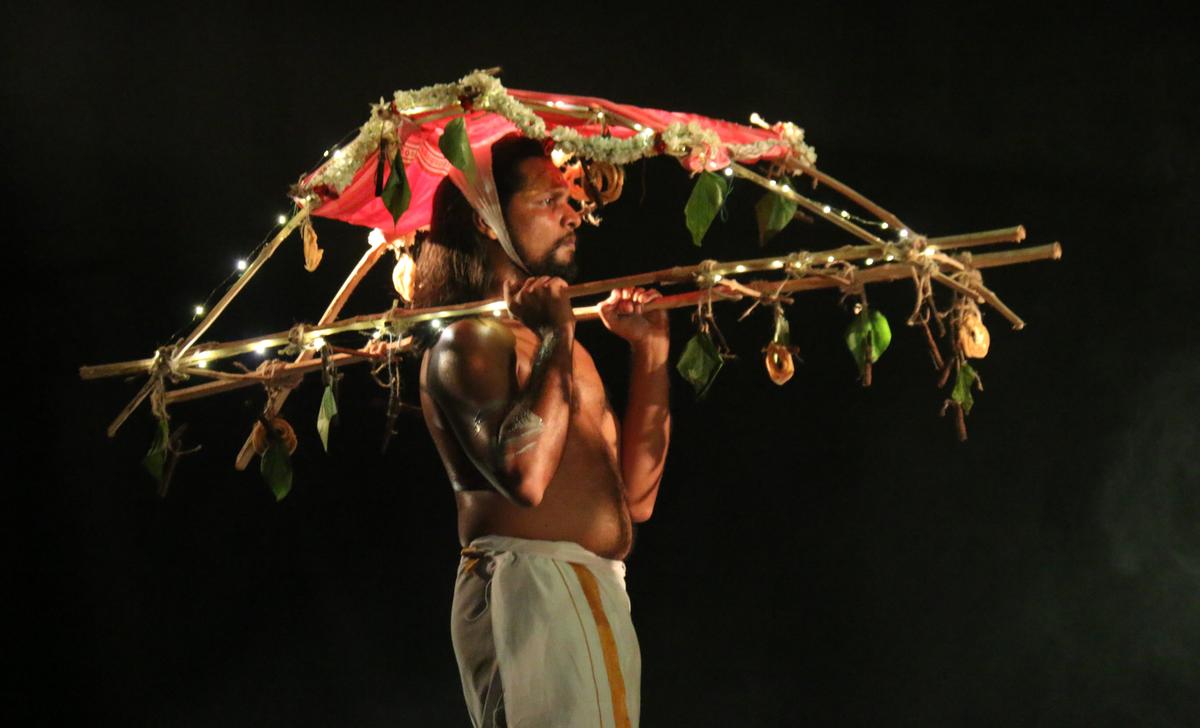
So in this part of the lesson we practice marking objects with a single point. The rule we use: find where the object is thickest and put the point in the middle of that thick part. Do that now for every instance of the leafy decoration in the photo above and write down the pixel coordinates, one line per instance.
(868, 337)
(397, 193)
(276, 468)
(774, 212)
(456, 146)
(325, 416)
(700, 363)
(963, 379)
(704, 203)
(156, 458)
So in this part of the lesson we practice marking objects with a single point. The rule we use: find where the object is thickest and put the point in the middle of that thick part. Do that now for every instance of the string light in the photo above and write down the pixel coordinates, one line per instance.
(869, 261)
(777, 264)
(281, 219)
(890, 257)
(787, 188)
(829, 259)
(828, 209)
(202, 364)
(241, 264)
(199, 310)
(338, 154)
(558, 156)
(739, 268)
(435, 324)
(772, 182)
(261, 347)
(883, 226)
(904, 232)
(729, 171)
(319, 342)
(375, 238)
(637, 126)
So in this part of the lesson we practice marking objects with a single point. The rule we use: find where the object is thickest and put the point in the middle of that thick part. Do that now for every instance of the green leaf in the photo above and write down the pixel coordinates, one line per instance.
(704, 204)
(276, 469)
(325, 416)
(964, 377)
(456, 146)
(700, 363)
(774, 212)
(156, 457)
(869, 325)
(397, 193)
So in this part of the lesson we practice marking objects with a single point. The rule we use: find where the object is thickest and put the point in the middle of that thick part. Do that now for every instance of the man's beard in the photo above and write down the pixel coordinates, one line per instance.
(549, 266)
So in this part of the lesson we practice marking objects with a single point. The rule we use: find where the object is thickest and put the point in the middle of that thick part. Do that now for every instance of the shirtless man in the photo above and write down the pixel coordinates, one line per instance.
(548, 482)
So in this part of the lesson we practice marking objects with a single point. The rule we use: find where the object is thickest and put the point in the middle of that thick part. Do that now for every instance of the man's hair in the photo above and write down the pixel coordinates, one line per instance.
(452, 265)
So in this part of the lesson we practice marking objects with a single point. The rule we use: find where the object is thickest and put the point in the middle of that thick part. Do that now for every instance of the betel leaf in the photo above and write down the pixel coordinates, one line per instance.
(963, 379)
(325, 416)
(774, 212)
(869, 325)
(700, 363)
(276, 469)
(397, 193)
(704, 203)
(156, 457)
(456, 146)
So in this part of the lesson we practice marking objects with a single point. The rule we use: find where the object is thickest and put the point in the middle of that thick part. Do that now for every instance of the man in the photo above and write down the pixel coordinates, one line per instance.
(548, 483)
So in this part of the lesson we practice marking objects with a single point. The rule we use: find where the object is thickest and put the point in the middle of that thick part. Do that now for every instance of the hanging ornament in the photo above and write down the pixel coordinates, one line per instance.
(973, 336)
(778, 359)
(312, 254)
(281, 427)
(402, 276)
(604, 182)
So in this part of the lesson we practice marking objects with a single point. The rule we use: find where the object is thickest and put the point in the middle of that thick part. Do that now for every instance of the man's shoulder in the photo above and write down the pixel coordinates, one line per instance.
(474, 334)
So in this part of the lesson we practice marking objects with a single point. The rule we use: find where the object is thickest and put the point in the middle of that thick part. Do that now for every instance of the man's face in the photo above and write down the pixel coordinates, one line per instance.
(542, 221)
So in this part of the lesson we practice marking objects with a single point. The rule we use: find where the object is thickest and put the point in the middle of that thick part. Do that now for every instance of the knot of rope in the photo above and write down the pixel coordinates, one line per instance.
(276, 376)
(164, 366)
(704, 276)
(296, 337)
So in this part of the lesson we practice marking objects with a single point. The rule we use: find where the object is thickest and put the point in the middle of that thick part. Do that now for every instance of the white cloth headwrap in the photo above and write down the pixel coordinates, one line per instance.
(483, 197)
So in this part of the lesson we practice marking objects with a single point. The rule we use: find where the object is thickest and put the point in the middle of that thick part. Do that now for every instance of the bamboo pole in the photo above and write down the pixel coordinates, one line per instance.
(666, 276)
(986, 237)
(719, 291)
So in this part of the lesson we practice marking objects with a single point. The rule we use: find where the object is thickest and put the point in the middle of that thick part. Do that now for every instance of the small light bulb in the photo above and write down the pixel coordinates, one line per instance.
(787, 188)
(637, 126)
(870, 261)
(739, 268)
(497, 312)
(729, 171)
(903, 233)
(647, 132)
(890, 257)
(777, 264)
(927, 252)
(558, 156)
(241, 264)
(435, 324)
(827, 209)
(338, 154)
(281, 219)
(199, 310)
(326, 153)
(757, 120)
(319, 342)
(375, 238)
(883, 226)
(260, 348)
(716, 277)
(845, 214)
(829, 259)
(772, 182)
(202, 364)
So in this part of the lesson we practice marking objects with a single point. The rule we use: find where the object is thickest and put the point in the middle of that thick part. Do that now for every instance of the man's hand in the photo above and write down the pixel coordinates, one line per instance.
(541, 304)
(622, 313)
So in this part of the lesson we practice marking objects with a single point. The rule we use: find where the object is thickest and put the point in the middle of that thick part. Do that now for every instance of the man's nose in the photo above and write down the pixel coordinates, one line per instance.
(571, 218)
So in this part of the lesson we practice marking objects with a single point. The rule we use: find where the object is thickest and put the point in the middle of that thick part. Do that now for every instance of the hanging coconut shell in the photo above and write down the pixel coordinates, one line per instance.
(973, 336)
(262, 441)
(780, 366)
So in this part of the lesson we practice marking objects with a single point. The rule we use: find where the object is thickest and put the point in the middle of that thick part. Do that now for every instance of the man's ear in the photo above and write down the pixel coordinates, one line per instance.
(482, 226)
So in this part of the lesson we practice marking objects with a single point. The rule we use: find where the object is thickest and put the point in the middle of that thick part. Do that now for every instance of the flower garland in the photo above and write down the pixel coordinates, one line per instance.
(697, 148)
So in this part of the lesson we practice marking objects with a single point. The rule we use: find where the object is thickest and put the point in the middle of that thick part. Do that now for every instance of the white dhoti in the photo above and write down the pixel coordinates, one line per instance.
(543, 636)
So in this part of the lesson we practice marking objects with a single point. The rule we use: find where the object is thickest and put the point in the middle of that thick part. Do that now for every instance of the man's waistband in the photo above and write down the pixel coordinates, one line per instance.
(568, 551)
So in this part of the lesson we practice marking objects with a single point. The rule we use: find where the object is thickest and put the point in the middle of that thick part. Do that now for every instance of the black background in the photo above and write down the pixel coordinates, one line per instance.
(821, 553)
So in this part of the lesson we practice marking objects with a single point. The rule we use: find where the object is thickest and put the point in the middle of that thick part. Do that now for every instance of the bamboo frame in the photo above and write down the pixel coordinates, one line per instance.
(719, 291)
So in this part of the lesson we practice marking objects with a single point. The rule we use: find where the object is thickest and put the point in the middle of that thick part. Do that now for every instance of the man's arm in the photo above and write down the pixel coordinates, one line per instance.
(646, 430)
(514, 437)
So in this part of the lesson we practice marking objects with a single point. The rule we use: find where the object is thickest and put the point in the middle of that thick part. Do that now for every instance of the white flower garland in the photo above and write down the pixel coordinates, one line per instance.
(678, 139)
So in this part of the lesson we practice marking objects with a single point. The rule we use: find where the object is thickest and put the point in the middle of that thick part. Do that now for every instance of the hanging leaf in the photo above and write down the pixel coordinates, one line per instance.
(704, 203)
(963, 379)
(774, 212)
(325, 416)
(782, 331)
(456, 146)
(156, 458)
(700, 363)
(869, 326)
(397, 193)
(312, 254)
(276, 469)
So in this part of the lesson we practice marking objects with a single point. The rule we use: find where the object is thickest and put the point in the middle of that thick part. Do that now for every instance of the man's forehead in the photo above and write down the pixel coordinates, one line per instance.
(540, 175)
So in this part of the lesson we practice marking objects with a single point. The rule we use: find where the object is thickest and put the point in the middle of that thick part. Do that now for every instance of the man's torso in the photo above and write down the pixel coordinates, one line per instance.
(585, 501)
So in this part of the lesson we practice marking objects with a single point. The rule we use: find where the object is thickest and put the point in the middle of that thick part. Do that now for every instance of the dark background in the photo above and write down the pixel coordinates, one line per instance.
(821, 553)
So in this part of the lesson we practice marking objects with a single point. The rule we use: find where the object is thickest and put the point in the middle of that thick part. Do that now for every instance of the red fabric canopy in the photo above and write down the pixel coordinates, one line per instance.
(425, 166)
